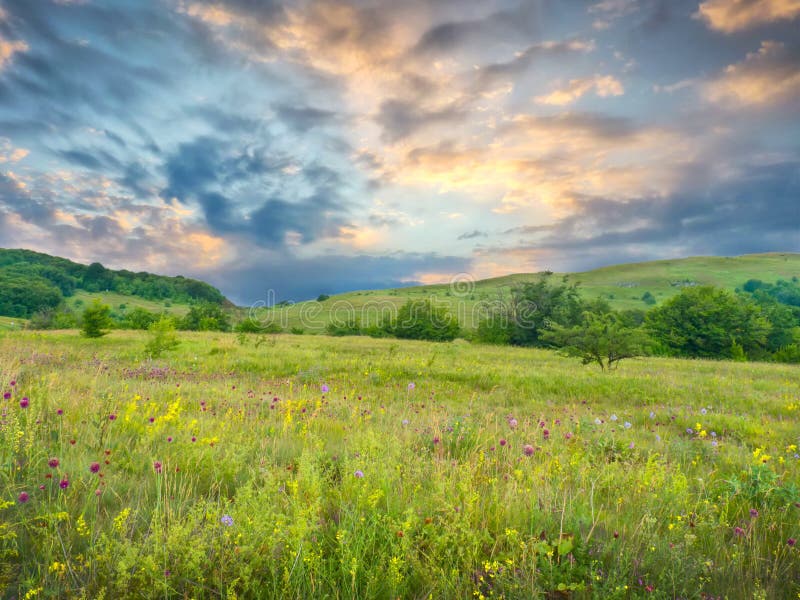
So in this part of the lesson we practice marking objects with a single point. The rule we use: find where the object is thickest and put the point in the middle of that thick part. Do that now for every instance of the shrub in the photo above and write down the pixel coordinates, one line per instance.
(162, 337)
(96, 318)
(423, 320)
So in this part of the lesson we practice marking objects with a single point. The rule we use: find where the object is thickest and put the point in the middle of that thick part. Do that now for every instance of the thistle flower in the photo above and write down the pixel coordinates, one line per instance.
(94, 467)
(791, 541)
(24, 403)
(157, 466)
(64, 483)
(753, 513)
(528, 450)
(24, 497)
(52, 463)
(411, 386)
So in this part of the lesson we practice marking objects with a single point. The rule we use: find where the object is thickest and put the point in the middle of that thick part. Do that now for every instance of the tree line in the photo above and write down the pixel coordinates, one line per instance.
(32, 281)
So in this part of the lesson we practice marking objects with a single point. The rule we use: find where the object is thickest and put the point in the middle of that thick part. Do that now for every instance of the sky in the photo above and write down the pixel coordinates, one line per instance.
(319, 146)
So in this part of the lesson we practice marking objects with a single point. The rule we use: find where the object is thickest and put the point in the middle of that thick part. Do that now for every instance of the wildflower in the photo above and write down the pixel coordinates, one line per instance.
(703, 411)
(94, 467)
(112, 417)
(597, 421)
(652, 415)
(753, 513)
(528, 449)
(52, 463)
(194, 439)
(436, 439)
(689, 430)
(169, 439)
(60, 412)
(411, 386)
(359, 474)
(24, 497)
(738, 531)
(24, 403)
(325, 389)
(405, 422)
(512, 422)
(227, 520)
(64, 483)
(12, 383)
(631, 445)
(616, 535)
(6, 395)
(714, 443)
(627, 425)
(546, 433)
(791, 541)
(567, 436)
(157, 466)
(714, 434)
(613, 417)
(503, 442)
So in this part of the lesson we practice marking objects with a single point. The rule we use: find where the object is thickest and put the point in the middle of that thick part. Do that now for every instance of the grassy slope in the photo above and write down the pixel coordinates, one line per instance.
(304, 526)
(609, 283)
(114, 300)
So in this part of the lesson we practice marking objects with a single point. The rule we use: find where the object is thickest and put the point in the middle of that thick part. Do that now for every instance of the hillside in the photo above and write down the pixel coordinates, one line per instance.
(621, 285)
(32, 281)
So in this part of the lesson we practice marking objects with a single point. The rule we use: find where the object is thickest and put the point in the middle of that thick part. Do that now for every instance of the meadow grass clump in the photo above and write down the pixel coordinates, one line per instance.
(370, 468)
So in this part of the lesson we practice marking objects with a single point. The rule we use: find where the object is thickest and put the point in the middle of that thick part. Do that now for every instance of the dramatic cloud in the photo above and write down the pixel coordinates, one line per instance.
(316, 146)
(769, 76)
(730, 16)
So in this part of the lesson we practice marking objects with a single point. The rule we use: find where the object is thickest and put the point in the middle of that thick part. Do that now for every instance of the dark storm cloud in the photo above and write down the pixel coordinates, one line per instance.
(202, 170)
(292, 278)
(758, 213)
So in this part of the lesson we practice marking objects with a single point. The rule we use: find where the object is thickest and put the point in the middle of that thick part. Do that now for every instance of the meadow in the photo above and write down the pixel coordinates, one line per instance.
(313, 467)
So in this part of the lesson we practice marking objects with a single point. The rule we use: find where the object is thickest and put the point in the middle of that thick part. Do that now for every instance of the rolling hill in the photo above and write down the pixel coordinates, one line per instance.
(32, 281)
(623, 286)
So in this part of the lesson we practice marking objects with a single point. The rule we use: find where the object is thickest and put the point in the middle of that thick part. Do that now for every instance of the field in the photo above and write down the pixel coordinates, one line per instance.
(315, 467)
(622, 286)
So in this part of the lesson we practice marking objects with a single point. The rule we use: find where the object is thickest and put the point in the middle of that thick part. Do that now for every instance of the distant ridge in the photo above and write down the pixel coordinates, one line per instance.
(31, 281)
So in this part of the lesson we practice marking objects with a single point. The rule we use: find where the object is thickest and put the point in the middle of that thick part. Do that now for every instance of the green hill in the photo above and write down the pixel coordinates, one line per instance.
(32, 281)
(623, 286)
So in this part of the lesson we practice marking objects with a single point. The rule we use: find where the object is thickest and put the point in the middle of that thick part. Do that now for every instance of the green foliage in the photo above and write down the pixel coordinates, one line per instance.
(22, 295)
(704, 321)
(205, 317)
(536, 306)
(648, 298)
(788, 354)
(322, 297)
(339, 328)
(95, 319)
(162, 337)
(53, 318)
(139, 318)
(601, 338)
(423, 320)
(42, 274)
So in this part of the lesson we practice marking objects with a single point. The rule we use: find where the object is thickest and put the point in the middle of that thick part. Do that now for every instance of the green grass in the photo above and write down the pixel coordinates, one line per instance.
(621, 285)
(12, 323)
(81, 300)
(444, 509)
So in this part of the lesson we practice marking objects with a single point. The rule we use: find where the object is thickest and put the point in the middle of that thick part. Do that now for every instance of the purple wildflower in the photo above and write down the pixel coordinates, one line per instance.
(24, 403)
(359, 474)
(157, 466)
(791, 541)
(753, 513)
(227, 520)
(24, 497)
(94, 467)
(528, 450)
(52, 463)
(325, 389)
(64, 483)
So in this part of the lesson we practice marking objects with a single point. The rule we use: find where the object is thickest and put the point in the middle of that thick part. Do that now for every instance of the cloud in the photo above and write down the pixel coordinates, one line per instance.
(603, 86)
(768, 76)
(730, 16)
(471, 235)
(8, 49)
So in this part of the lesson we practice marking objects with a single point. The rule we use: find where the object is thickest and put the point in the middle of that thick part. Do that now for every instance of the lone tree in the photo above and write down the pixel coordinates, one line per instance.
(96, 317)
(601, 338)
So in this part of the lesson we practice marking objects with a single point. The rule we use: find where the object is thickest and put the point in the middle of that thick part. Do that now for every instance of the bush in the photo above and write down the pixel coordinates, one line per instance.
(139, 318)
(205, 317)
(96, 318)
(322, 297)
(423, 320)
(788, 354)
(162, 337)
(342, 328)
(648, 298)
(704, 321)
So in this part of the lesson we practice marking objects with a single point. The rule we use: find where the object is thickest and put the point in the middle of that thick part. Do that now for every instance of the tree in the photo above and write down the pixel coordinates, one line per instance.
(96, 317)
(705, 321)
(423, 320)
(601, 338)
(534, 306)
(206, 317)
